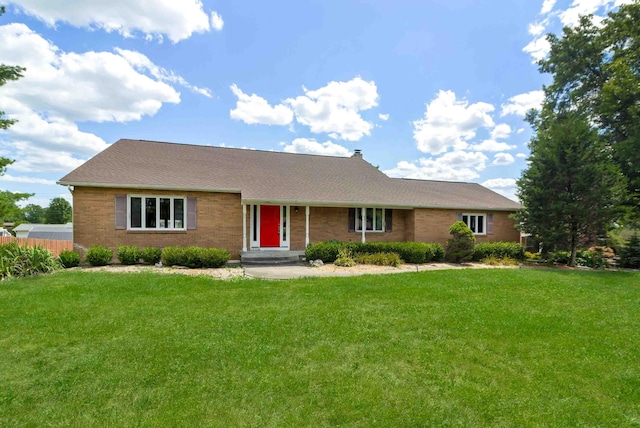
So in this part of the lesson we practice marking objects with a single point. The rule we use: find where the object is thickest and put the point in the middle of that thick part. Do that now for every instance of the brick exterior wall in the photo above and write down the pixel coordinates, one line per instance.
(219, 223)
(432, 225)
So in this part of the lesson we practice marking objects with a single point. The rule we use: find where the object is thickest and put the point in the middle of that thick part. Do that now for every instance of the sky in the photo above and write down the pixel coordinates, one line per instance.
(427, 89)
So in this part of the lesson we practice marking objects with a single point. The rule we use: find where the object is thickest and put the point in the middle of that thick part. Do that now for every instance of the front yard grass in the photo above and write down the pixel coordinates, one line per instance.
(443, 348)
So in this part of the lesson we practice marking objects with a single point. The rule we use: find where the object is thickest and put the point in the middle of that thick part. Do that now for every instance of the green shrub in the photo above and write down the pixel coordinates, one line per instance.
(410, 252)
(499, 261)
(630, 253)
(511, 250)
(213, 257)
(345, 258)
(18, 261)
(195, 257)
(592, 259)
(380, 259)
(172, 256)
(69, 259)
(151, 255)
(532, 256)
(99, 255)
(128, 254)
(460, 245)
(559, 257)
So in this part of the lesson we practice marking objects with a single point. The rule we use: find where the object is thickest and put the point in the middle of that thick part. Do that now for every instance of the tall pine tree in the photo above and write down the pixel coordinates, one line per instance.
(571, 187)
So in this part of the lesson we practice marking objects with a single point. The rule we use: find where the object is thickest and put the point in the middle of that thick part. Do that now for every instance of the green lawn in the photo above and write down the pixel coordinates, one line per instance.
(446, 348)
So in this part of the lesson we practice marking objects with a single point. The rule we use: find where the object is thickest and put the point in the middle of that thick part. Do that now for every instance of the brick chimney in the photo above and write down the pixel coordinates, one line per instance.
(357, 153)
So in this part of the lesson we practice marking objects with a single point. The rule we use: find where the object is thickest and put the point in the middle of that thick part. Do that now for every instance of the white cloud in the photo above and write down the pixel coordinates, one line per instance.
(311, 146)
(33, 158)
(30, 180)
(520, 131)
(538, 48)
(547, 6)
(92, 86)
(501, 132)
(503, 159)
(334, 109)
(536, 29)
(522, 103)
(384, 117)
(216, 21)
(252, 109)
(521, 155)
(176, 20)
(453, 166)
(504, 186)
(142, 63)
(61, 88)
(450, 123)
(54, 133)
(491, 146)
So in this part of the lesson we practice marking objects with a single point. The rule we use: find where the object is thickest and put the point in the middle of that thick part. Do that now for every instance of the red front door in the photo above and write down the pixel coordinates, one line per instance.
(269, 226)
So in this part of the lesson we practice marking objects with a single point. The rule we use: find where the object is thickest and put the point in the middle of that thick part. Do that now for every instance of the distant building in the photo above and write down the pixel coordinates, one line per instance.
(58, 232)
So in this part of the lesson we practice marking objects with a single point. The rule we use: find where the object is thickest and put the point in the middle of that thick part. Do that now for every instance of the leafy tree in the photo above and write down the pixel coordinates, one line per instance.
(58, 212)
(34, 213)
(596, 70)
(571, 188)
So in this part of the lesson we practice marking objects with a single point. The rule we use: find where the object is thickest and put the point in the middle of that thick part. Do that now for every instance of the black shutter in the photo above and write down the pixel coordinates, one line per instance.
(490, 224)
(388, 220)
(121, 211)
(351, 225)
(191, 213)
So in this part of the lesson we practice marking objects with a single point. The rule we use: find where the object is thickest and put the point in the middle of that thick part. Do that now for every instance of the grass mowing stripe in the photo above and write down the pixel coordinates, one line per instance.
(472, 347)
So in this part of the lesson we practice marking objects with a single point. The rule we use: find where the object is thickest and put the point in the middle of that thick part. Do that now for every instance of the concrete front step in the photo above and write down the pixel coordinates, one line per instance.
(270, 257)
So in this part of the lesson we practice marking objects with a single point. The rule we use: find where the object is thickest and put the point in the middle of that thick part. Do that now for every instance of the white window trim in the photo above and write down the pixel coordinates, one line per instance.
(484, 221)
(171, 213)
(384, 225)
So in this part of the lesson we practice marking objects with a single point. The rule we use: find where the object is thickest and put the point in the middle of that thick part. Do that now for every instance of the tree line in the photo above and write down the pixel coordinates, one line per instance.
(583, 177)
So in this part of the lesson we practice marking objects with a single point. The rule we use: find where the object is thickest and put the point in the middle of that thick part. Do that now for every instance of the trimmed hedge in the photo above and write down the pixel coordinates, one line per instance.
(128, 254)
(410, 252)
(99, 255)
(195, 257)
(151, 255)
(69, 259)
(511, 250)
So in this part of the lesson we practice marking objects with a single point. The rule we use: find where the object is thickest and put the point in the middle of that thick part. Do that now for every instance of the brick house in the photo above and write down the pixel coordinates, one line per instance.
(148, 193)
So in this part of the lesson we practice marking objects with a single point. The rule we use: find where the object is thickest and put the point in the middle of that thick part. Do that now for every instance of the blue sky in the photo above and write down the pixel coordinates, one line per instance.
(426, 89)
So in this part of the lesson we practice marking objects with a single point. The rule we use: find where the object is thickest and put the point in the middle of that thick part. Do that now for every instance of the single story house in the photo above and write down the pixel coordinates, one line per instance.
(148, 193)
(56, 232)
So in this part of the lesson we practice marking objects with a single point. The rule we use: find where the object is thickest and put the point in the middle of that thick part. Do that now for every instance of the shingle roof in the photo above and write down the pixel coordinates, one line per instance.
(62, 232)
(272, 177)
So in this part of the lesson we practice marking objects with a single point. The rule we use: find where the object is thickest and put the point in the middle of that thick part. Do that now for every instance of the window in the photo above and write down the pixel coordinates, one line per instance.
(373, 217)
(156, 212)
(475, 222)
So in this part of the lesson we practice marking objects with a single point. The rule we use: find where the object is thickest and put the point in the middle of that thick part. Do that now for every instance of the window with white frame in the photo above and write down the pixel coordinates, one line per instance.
(476, 222)
(373, 217)
(156, 212)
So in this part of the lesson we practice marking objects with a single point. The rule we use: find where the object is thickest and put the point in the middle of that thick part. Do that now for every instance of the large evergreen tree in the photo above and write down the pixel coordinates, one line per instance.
(571, 187)
(596, 70)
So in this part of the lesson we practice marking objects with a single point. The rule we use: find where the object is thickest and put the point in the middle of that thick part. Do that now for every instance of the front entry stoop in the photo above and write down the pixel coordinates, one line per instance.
(269, 258)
